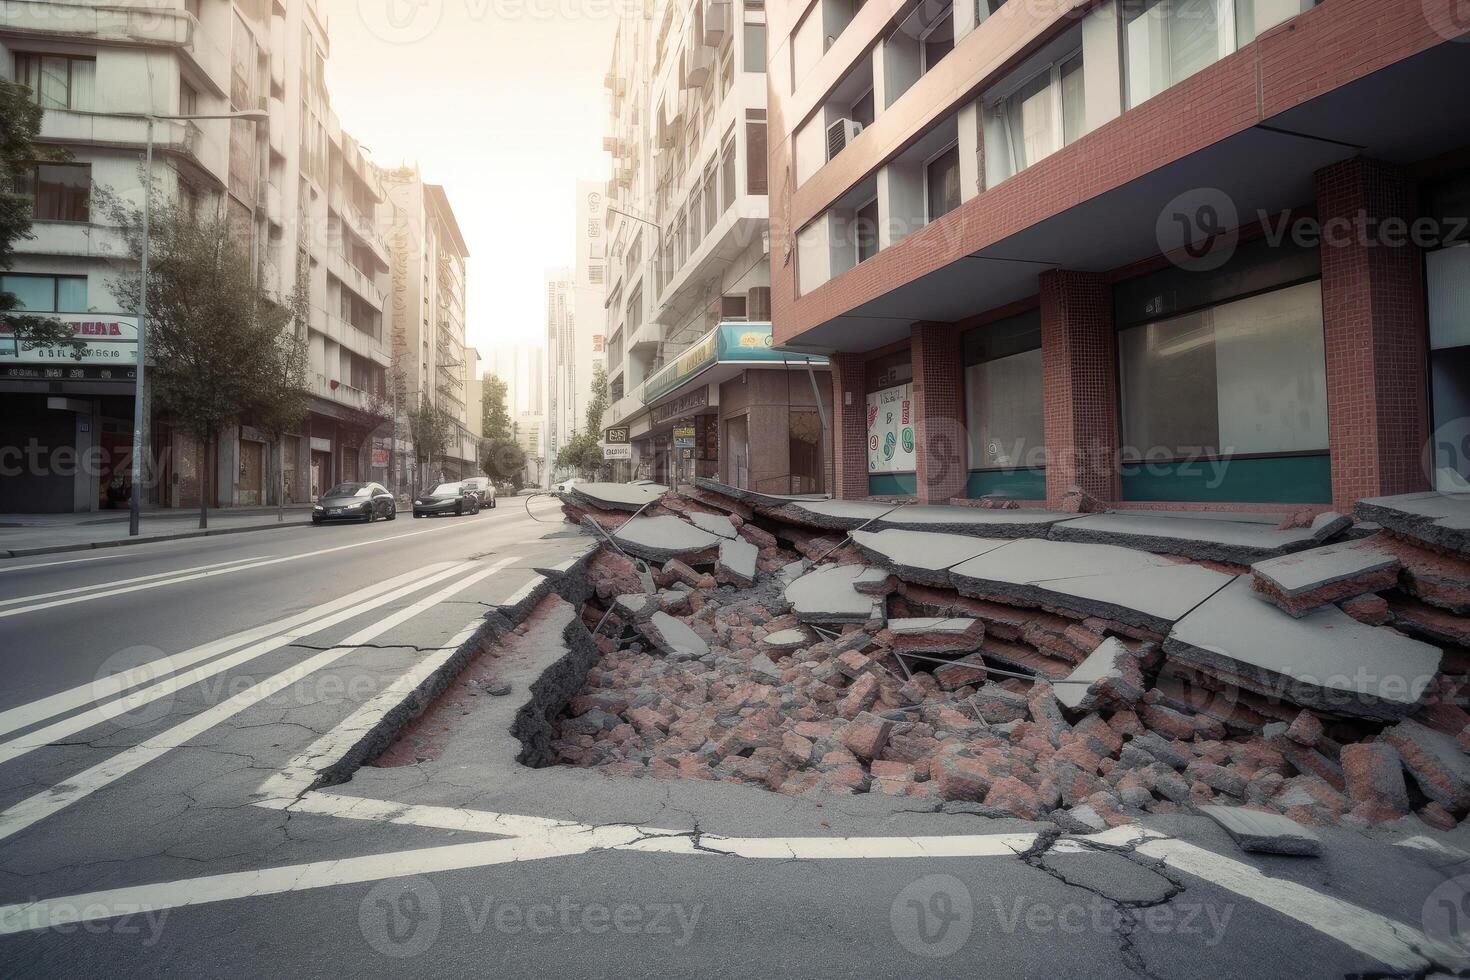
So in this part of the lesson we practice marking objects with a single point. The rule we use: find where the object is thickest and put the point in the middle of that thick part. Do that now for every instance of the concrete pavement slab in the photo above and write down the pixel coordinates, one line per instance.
(922, 557)
(660, 538)
(828, 595)
(615, 496)
(1200, 537)
(1438, 519)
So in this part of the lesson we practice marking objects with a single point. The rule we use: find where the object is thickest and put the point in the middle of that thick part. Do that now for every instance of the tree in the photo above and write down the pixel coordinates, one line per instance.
(20, 122)
(213, 331)
(284, 402)
(503, 461)
(597, 407)
(495, 423)
(582, 453)
(429, 427)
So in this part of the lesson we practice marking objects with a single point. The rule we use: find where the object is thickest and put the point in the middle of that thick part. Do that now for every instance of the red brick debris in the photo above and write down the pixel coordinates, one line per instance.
(855, 711)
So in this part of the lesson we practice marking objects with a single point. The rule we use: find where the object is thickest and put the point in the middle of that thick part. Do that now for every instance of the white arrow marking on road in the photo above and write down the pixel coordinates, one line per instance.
(66, 597)
(134, 700)
(44, 804)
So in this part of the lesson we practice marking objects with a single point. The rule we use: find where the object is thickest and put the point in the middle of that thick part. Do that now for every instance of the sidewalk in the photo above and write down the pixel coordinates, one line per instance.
(44, 534)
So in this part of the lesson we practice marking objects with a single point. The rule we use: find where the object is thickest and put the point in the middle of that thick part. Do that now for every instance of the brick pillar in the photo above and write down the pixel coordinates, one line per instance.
(849, 427)
(1373, 322)
(1079, 382)
(939, 412)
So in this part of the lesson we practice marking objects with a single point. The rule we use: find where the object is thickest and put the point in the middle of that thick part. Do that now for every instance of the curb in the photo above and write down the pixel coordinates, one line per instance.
(145, 539)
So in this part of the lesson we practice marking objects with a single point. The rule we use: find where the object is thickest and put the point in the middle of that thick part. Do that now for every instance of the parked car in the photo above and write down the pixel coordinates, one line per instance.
(484, 489)
(447, 498)
(568, 483)
(364, 502)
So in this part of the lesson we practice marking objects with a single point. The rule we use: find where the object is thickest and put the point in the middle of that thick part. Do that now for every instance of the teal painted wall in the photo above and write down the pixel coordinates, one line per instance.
(1282, 479)
(893, 484)
(1025, 484)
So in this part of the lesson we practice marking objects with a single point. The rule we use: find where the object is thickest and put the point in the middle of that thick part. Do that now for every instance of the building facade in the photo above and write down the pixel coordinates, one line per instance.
(432, 363)
(689, 259)
(1177, 254)
(295, 182)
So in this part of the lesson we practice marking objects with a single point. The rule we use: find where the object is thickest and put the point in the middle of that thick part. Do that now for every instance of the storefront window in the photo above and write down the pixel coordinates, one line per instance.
(1241, 378)
(1003, 401)
(890, 406)
(1447, 277)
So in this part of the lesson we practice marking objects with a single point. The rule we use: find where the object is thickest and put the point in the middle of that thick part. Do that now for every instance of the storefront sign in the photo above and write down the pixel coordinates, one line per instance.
(59, 372)
(621, 451)
(107, 340)
(685, 404)
(320, 444)
(727, 343)
(615, 434)
(684, 437)
(380, 457)
(891, 430)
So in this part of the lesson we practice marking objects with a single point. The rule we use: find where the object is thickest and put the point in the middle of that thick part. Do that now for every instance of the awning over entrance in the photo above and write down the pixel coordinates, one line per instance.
(721, 354)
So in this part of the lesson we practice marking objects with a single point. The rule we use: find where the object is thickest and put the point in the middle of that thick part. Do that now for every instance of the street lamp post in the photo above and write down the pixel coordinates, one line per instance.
(135, 502)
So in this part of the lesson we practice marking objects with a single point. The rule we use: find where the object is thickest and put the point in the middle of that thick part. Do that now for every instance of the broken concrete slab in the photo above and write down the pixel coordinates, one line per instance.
(1435, 760)
(673, 637)
(1110, 676)
(1265, 833)
(788, 639)
(828, 595)
(936, 634)
(737, 561)
(1304, 580)
(1438, 519)
(717, 524)
(754, 497)
(1325, 660)
(1121, 584)
(762, 665)
(616, 496)
(636, 607)
(661, 538)
(839, 515)
(922, 557)
(1223, 537)
(978, 521)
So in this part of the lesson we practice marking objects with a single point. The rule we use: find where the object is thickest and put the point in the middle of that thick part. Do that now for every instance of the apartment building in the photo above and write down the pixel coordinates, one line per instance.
(432, 362)
(1176, 253)
(295, 182)
(689, 273)
(561, 365)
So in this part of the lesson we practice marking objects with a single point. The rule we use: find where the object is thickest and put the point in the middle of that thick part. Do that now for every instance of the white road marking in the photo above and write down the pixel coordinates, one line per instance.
(4, 567)
(66, 727)
(35, 808)
(178, 576)
(34, 712)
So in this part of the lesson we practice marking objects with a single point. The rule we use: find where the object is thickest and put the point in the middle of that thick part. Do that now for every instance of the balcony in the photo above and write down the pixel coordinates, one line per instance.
(359, 225)
(342, 394)
(76, 238)
(277, 126)
(625, 408)
(354, 279)
(180, 138)
(69, 21)
(274, 207)
(741, 224)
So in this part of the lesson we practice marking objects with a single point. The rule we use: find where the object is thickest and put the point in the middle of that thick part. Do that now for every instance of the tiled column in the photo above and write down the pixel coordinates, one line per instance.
(1373, 321)
(849, 427)
(1079, 385)
(939, 411)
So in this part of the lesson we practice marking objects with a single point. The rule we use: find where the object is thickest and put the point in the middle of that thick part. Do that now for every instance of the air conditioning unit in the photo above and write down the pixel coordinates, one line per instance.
(841, 133)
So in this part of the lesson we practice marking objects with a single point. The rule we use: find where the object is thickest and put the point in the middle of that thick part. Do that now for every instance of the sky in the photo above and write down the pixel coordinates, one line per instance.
(500, 101)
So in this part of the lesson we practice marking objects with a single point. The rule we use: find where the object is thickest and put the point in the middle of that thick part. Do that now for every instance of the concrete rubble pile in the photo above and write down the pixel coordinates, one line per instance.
(742, 641)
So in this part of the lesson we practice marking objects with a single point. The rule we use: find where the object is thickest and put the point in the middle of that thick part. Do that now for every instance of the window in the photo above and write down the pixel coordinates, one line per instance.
(938, 38)
(1166, 41)
(595, 273)
(727, 174)
(1003, 402)
(1254, 17)
(984, 8)
(862, 110)
(1034, 120)
(755, 151)
(188, 99)
(942, 183)
(807, 45)
(58, 191)
(47, 294)
(1238, 378)
(866, 230)
(755, 48)
(57, 81)
(711, 195)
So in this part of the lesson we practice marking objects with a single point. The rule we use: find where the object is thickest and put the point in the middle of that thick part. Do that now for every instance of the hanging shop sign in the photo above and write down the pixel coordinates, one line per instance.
(684, 436)
(106, 340)
(685, 404)
(615, 435)
(620, 451)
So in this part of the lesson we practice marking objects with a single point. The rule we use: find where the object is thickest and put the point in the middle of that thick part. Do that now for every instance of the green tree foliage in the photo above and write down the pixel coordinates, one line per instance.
(582, 453)
(214, 335)
(20, 122)
(503, 461)
(494, 416)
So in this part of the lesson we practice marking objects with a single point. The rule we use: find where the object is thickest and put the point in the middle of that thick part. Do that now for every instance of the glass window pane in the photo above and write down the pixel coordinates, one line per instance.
(755, 157)
(727, 177)
(1167, 388)
(61, 192)
(1448, 273)
(866, 230)
(71, 294)
(755, 48)
(1074, 104)
(943, 183)
(55, 83)
(1255, 17)
(34, 293)
(83, 83)
(1003, 412)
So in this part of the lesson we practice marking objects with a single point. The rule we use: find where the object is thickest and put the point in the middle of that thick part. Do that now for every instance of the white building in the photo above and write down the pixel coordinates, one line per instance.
(560, 360)
(432, 361)
(687, 212)
(295, 181)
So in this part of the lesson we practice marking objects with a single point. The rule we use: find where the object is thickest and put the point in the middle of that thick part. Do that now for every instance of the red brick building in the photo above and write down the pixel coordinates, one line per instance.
(1178, 253)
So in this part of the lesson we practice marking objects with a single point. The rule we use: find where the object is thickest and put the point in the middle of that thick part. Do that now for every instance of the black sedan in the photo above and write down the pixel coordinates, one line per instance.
(447, 498)
(364, 502)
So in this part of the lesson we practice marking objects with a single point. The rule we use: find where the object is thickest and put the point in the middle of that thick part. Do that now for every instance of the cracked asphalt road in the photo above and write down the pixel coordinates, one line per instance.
(678, 888)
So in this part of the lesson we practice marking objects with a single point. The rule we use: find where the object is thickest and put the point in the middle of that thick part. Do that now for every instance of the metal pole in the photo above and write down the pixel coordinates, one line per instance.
(135, 503)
